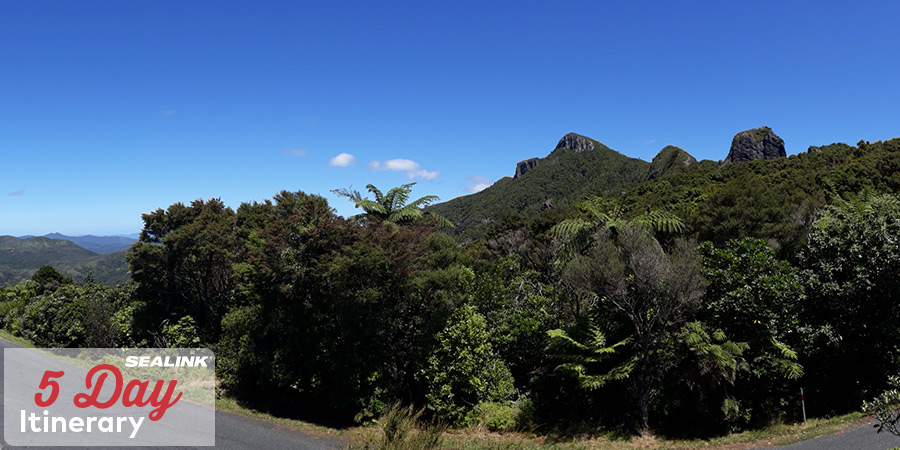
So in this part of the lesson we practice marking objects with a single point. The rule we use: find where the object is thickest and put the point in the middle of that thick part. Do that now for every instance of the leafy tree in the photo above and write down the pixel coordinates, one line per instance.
(391, 208)
(655, 292)
(755, 298)
(463, 369)
(520, 310)
(886, 407)
(850, 268)
(49, 279)
(182, 334)
(331, 314)
(182, 265)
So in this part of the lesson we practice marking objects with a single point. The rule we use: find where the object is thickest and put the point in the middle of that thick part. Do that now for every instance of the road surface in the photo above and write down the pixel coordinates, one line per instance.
(233, 431)
(863, 437)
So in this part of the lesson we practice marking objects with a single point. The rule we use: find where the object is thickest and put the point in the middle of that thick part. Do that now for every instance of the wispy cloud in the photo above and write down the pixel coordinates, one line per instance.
(295, 152)
(651, 141)
(477, 184)
(168, 113)
(342, 160)
(18, 193)
(411, 168)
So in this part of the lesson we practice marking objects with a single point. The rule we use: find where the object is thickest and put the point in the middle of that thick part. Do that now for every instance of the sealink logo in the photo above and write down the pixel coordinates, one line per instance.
(109, 397)
(146, 361)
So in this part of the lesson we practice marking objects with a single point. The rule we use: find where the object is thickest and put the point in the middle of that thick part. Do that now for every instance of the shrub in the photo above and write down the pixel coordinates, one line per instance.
(183, 334)
(886, 408)
(402, 430)
(492, 416)
(463, 369)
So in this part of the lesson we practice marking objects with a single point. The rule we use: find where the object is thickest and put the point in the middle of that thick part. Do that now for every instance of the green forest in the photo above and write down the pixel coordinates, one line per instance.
(691, 299)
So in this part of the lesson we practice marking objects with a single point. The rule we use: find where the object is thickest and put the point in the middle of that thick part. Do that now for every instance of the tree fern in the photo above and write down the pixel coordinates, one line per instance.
(391, 208)
(583, 360)
(578, 234)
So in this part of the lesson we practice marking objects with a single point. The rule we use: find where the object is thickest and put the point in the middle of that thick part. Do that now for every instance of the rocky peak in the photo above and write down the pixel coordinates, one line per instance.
(575, 142)
(668, 159)
(758, 143)
(524, 166)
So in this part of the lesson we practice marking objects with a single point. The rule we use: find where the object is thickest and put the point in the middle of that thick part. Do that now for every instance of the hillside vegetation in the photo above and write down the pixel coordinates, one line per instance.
(770, 199)
(559, 180)
(21, 258)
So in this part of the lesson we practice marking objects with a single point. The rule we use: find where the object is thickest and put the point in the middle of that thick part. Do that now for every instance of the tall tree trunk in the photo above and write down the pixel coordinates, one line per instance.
(644, 388)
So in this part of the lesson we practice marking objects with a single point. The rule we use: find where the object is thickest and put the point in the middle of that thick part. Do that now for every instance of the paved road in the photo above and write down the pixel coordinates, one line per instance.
(863, 437)
(233, 431)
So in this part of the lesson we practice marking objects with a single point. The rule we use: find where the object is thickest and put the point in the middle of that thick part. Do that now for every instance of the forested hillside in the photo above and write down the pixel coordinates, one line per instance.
(696, 302)
(20, 258)
(770, 199)
(578, 167)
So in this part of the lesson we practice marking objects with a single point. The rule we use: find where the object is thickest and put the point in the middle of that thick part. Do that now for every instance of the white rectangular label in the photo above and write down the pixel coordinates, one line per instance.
(109, 397)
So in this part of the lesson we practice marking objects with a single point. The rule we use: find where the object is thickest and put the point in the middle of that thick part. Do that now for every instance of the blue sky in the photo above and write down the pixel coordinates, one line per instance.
(110, 109)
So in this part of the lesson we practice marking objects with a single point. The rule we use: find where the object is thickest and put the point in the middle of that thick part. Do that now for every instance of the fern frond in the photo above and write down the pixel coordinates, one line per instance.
(405, 215)
(371, 207)
(660, 221)
(424, 201)
(379, 197)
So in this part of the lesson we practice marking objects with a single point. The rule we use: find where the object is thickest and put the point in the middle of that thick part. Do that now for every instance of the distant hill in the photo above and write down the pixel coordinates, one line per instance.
(97, 244)
(577, 168)
(20, 258)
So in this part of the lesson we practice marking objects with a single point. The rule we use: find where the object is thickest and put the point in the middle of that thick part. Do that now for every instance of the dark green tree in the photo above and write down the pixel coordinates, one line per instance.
(653, 293)
(757, 299)
(49, 279)
(850, 267)
(182, 265)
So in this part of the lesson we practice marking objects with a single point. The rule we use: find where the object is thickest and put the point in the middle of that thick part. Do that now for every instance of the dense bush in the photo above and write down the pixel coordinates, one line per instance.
(637, 327)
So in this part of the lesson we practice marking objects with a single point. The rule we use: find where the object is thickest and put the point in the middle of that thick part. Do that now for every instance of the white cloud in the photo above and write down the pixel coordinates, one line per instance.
(477, 184)
(424, 174)
(168, 113)
(295, 152)
(411, 168)
(651, 140)
(342, 160)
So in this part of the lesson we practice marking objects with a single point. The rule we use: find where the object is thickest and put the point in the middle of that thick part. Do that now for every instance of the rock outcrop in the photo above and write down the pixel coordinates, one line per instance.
(575, 142)
(758, 143)
(524, 166)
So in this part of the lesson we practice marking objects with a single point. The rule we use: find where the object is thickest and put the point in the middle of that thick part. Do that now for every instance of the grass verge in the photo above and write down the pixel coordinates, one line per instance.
(21, 342)
(775, 435)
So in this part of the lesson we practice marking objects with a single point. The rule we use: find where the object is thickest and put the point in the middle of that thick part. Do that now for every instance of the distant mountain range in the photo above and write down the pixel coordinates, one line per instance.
(20, 257)
(98, 244)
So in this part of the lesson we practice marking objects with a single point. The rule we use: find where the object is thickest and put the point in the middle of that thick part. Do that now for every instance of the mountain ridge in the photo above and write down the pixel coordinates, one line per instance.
(98, 244)
(578, 166)
(20, 258)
